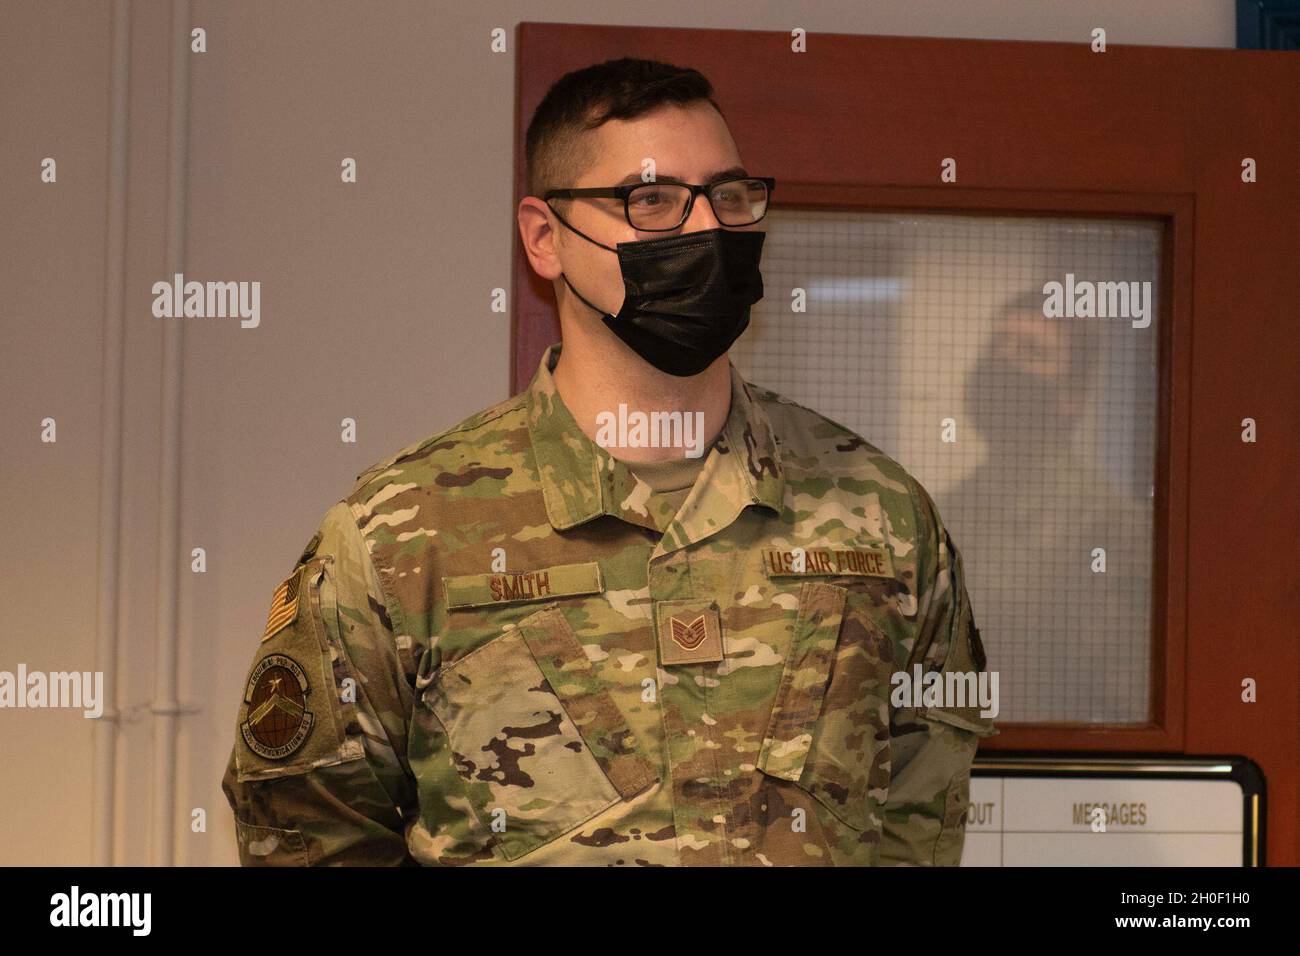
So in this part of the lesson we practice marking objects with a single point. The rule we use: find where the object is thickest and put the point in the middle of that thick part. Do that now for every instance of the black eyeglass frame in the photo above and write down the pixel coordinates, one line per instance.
(625, 191)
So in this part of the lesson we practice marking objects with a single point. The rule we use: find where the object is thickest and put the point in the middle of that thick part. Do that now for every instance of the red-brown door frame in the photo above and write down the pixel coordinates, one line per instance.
(1055, 129)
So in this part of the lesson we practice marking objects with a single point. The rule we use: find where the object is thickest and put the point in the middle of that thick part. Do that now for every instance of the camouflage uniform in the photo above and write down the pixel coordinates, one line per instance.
(636, 686)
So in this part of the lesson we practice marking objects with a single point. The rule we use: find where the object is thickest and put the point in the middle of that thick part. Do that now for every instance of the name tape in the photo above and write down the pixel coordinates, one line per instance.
(477, 590)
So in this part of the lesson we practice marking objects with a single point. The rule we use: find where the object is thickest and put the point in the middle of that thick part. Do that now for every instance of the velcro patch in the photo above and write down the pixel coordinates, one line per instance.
(477, 590)
(284, 605)
(801, 562)
(278, 720)
(690, 632)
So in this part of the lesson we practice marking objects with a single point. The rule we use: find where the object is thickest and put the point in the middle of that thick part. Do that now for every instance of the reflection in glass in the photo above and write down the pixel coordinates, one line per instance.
(917, 322)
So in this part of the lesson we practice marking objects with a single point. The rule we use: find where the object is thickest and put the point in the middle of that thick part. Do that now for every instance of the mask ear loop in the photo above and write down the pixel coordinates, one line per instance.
(580, 296)
(579, 231)
(600, 312)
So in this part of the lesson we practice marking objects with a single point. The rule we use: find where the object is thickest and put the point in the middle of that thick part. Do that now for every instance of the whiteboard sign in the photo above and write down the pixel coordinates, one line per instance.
(1036, 811)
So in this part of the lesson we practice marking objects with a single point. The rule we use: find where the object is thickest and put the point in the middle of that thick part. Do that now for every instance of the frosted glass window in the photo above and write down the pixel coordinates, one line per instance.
(914, 320)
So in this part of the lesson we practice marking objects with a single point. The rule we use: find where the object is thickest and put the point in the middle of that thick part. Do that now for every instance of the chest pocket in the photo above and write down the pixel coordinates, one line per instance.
(538, 742)
(829, 727)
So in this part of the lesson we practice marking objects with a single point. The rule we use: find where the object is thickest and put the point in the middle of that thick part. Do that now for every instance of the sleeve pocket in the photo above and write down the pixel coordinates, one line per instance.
(966, 658)
(292, 719)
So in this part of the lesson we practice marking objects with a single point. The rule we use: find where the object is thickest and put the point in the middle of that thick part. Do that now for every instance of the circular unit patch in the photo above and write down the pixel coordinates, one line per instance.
(278, 720)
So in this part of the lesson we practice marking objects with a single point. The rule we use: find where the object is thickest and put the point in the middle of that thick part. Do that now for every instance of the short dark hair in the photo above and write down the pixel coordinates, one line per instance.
(585, 99)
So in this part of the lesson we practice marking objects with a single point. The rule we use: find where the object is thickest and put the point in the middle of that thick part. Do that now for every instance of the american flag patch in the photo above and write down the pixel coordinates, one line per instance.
(284, 605)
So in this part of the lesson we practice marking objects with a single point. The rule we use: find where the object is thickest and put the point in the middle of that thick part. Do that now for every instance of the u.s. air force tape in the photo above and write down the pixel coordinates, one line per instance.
(862, 562)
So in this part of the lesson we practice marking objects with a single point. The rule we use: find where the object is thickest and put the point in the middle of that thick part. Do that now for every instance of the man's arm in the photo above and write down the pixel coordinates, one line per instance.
(318, 773)
(931, 748)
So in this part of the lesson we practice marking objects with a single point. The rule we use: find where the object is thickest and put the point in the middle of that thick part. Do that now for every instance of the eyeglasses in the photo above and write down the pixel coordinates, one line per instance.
(663, 207)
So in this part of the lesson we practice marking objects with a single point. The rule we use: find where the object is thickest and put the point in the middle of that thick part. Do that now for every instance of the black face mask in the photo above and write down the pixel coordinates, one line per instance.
(686, 298)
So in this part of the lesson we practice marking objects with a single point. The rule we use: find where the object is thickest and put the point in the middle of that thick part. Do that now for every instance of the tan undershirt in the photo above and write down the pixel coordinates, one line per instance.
(670, 483)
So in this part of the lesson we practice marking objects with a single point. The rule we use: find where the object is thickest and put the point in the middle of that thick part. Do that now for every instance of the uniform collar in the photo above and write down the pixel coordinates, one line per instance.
(581, 481)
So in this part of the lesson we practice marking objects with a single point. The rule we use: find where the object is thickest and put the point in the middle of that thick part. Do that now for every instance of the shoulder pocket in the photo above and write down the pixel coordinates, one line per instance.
(295, 715)
(539, 743)
(965, 665)
(829, 727)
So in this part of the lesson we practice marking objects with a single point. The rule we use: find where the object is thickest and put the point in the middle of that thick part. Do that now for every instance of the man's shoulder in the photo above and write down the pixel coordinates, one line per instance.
(836, 479)
(815, 448)
(484, 440)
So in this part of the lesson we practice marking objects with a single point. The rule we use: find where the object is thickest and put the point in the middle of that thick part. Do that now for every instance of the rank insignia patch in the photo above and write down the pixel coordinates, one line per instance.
(689, 632)
(284, 605)
(689, 636)
(278, 721)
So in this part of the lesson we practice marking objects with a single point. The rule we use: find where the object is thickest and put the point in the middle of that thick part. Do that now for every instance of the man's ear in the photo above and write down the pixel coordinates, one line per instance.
(537, 232)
